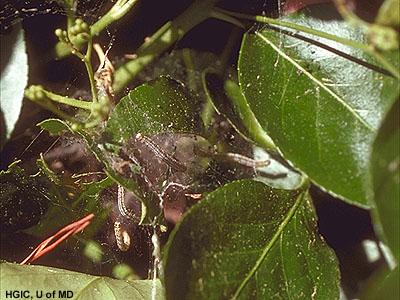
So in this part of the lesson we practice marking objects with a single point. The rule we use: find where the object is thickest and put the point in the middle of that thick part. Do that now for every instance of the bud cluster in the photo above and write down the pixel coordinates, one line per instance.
(35, 93)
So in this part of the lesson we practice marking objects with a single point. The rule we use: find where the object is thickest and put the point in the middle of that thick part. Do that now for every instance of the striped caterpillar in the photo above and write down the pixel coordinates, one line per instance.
(121, 236)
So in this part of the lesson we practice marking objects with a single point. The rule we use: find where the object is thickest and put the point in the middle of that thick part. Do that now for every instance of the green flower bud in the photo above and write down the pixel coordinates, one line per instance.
(39, 94)
(73, 30)
(28, 93)
(83, 36)
(75, 126)
(58, 32)
(383, 37)
(84, 27)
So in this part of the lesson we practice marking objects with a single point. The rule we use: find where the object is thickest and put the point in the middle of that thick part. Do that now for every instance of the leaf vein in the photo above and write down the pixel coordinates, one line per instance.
(270, 244)
(317, 81)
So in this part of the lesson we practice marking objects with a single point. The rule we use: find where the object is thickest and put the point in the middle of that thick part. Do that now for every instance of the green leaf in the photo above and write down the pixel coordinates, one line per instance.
(54, 126)
(13, 80)
(162, 105)
(388, 288)
(89, 202)
(63, 210)
(248, 240)
(186, 65)
(385, 167)
(39, 278)
(321, 109)
(91, 192)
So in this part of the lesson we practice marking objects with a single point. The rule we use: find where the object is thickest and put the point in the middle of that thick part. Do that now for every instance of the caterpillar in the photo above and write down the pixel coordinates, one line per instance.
(121, 236)
(160, 153)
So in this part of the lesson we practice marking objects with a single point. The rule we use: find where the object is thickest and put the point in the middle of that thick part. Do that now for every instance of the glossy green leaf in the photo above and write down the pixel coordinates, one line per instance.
(388, 288)
(13, 80)
(250, 241)
(385, 165)
(186, 65)
(321, 109)
(39, 278)
(54, 126)
(162, 105)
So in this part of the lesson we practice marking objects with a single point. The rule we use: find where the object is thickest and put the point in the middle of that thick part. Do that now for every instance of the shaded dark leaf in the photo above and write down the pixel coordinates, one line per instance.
(385, 168)
(21, 212)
